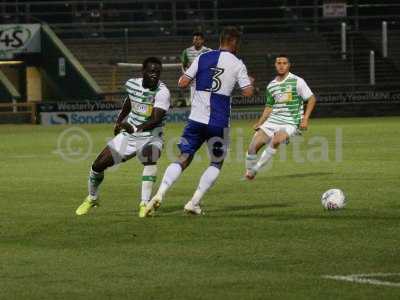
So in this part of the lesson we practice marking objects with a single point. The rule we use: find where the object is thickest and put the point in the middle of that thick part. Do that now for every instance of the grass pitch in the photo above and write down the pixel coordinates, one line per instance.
(266, 239)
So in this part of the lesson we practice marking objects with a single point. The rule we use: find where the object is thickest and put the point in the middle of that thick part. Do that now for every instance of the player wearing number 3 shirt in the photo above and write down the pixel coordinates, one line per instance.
(214, 74)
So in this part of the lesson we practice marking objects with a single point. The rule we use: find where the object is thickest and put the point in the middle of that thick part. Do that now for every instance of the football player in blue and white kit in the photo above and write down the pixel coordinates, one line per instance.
(214, 74)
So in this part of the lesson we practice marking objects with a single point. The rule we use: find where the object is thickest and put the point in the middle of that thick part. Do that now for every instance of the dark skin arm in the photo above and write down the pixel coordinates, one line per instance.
(126, 108)
(156, 118)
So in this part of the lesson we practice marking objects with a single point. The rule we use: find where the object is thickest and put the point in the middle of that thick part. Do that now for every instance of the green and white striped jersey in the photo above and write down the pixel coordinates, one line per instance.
(144, 100)
(286, 98)
(189, 54)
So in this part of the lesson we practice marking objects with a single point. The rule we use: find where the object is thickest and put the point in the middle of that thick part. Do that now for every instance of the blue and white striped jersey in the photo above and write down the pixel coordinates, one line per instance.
(215, 74)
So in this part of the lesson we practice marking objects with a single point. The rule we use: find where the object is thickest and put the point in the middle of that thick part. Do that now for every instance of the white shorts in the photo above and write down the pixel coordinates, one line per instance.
(126, 145)
(271, 128)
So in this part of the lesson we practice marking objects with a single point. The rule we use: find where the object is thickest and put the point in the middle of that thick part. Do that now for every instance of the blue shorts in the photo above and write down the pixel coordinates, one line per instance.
(195, 134)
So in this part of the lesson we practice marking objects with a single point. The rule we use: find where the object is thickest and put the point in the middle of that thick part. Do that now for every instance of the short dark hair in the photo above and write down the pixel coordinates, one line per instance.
(198, 33)
(229, 33)
(283, 55)
(151, 60)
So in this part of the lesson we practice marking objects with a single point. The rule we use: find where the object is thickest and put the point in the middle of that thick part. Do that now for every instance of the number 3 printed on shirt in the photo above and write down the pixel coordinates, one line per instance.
(216, 81)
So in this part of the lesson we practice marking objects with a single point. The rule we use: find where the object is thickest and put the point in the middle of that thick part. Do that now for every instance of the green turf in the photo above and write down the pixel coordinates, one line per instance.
(267, 239)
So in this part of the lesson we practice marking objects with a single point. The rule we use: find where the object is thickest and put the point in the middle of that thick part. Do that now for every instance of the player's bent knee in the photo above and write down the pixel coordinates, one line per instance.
(259, 141)
(184, 160)
(275, 143)
(96, 167)
(103, 161)
(149, 155)
(252, 148)
(279, 139)
(256, 147)
(217, 151)
(99, 166)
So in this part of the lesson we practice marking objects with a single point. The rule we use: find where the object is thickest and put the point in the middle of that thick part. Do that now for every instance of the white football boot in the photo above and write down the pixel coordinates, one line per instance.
(192, 209)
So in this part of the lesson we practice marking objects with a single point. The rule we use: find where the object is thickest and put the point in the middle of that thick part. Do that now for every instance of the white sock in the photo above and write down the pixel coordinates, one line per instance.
(265, 158)
(171, 174)
(251, 160)
(207, 180)
(148, 179)
(94, 181)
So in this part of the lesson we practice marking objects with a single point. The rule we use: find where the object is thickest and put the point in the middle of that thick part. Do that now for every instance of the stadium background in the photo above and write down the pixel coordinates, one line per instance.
(83, 42)
(268, 239)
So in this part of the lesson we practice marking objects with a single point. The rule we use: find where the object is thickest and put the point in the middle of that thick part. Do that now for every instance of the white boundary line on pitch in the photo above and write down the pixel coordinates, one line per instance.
(365, 278)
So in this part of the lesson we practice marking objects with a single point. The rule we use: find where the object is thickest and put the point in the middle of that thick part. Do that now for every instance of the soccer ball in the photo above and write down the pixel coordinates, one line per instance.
(333, 199)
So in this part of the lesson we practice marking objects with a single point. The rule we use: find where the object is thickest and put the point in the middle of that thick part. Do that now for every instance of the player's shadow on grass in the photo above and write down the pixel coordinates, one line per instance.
(250, 207)
(302, 175)
(179, 208)
(172, 208)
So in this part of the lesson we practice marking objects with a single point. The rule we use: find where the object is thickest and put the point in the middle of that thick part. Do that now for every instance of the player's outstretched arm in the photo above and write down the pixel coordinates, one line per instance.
(190, 73)
(126, 108)
(267, 111)
(248, 91)
(309, 108)
(184, 82)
